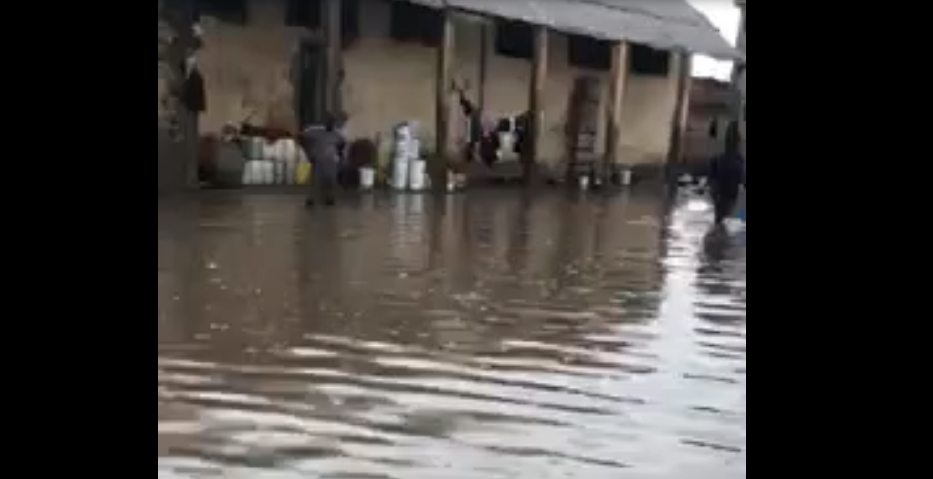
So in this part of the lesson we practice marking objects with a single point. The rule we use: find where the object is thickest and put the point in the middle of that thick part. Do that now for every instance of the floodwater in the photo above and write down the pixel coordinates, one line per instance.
(501, 335)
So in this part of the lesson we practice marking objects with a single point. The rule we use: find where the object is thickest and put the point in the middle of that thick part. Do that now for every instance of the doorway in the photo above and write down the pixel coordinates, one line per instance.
(309, 90)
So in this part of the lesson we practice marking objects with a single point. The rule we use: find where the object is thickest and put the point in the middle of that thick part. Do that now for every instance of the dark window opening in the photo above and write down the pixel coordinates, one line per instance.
(304, 14)
(350, 22)
(229, 11)
(309, 14)
(416, 23)
(590, 53)
(515, 40)
(650, 62)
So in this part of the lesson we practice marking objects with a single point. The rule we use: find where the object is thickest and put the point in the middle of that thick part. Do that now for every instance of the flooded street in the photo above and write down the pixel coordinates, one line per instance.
(501, 335)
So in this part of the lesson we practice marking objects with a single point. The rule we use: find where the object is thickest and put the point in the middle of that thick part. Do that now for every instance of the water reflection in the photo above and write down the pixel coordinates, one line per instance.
(499, 335)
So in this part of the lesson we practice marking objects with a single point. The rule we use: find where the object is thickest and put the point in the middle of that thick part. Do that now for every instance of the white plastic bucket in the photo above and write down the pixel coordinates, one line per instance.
(248, 176)
(367, 178)
(269, 151)
(268, 173)
(291, 170)
(403, 133)
(417, 180)
(279, 172)
(400, 173)
(414, 149)
(253, 147)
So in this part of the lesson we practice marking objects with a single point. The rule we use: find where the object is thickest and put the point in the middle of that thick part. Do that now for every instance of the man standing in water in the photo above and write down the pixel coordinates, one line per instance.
(325, 148)
(727, 174)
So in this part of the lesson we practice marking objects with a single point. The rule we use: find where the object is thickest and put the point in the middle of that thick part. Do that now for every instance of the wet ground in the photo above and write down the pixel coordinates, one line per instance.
(493, 336)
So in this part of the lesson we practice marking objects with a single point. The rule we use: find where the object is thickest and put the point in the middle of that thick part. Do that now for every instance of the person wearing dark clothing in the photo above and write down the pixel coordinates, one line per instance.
(480, 141)
(727, 174)
(326, 148)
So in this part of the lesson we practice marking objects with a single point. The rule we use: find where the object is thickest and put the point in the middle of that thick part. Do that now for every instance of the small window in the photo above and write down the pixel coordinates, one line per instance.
(416, 23)
(650, 62)
(589, 53)
(515, 40)
(229, 11)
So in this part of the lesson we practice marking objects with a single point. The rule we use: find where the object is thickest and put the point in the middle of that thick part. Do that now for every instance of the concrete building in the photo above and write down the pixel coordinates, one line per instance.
(740, 69)
(283, 63)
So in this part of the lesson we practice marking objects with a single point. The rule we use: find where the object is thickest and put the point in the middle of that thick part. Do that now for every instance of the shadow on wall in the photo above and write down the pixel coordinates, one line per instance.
(171, 166)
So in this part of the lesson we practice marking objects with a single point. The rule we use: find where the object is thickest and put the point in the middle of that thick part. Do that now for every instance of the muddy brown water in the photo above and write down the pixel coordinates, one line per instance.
(500, 335)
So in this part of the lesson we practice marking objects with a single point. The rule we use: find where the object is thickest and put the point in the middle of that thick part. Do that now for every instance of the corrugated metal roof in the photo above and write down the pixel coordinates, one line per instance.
(668, 24)
(676, 25)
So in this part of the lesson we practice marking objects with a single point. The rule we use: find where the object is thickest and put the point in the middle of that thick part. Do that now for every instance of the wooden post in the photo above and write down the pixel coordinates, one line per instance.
(445, 63)
(617, 88)
(333, 45)
(536, 102)
(681, 112)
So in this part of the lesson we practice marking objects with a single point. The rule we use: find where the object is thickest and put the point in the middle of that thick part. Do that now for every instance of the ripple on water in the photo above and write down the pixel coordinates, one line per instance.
(495, 336)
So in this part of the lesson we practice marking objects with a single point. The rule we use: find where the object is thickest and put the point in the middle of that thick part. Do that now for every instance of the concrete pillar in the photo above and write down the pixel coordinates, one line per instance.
(618, 83)
(738, 78)
(681, 111)
(445, 64)
(536, 102)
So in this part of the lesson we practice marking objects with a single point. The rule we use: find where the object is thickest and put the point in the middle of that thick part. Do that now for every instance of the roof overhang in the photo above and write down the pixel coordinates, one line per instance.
(672, 25)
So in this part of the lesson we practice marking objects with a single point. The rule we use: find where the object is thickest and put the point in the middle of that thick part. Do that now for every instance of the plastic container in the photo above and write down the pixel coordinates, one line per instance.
(367, 178)
(400, 172)
(417, 177)
(291, 170)
(304, 173)
(269, 151)
(267, 173)
(252, 173)
(252, 149)
(403, 133)
(414, 149)
(278, 170)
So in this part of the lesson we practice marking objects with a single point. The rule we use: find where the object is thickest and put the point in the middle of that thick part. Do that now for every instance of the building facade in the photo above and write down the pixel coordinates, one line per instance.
(266, 61)
(740, 69)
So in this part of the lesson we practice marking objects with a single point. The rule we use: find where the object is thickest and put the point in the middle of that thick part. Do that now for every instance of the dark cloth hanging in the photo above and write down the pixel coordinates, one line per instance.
(727, 174)
(194, 94)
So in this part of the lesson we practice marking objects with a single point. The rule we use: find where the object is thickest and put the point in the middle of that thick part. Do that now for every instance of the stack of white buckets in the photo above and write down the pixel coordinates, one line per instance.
(409, 170)
(275, 163)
